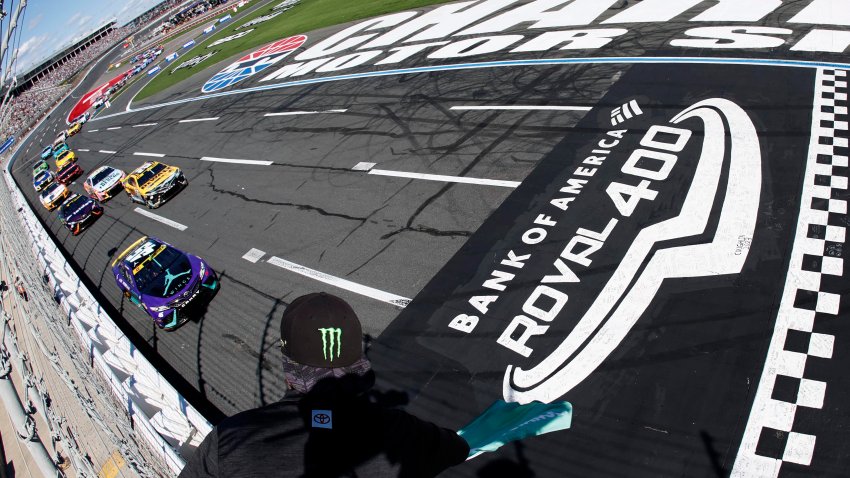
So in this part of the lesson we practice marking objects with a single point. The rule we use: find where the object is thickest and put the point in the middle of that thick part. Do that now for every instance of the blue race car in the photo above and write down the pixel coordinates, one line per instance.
(163, 280)
(79, 211)
(42, 180)
(46, 152)
(59, 149)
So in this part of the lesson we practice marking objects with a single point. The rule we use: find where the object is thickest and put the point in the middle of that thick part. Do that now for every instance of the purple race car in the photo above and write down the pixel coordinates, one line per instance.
(162, 280)
(79, 211)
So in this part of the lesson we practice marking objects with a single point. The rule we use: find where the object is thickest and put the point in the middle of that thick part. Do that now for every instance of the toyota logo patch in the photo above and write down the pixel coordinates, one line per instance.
(322, 419)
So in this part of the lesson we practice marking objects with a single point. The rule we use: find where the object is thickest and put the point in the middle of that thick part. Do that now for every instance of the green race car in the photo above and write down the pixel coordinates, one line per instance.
(40, 166)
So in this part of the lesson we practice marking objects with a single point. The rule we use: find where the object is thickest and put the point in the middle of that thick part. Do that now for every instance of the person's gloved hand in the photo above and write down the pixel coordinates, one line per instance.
(505, 422)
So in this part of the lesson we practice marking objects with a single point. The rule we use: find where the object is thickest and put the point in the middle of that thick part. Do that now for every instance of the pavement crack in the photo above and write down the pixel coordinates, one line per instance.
(371, 258)
(301, 207)
(427, 230)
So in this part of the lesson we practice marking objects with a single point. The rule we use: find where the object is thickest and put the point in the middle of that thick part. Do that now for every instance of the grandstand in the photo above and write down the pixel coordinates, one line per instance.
(68, 55)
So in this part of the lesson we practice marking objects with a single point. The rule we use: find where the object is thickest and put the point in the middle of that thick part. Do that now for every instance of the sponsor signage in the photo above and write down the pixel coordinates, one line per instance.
(641, 258)
(224, 18)
(229, 38)
(254, 63)
(467, 30)
(285, 5)
(209, 29)
(194, 61)
(87, 101)
(154, 70)
(171, 57)
(7, 144)
(577, 272)
(259, 20)
(189, 44)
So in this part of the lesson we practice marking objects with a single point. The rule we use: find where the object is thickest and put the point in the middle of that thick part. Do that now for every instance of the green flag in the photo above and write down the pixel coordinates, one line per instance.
(505, 422)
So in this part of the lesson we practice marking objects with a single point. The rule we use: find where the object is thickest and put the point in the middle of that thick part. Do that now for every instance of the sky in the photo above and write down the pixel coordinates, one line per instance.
(48, 26)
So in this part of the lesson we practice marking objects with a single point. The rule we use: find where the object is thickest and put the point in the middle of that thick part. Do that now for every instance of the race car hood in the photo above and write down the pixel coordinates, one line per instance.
(46, 152)
(52, 194)
(42, 178)
(68, 170)
(162, 178)
(79, 213)
(109, 181)
(183, 286)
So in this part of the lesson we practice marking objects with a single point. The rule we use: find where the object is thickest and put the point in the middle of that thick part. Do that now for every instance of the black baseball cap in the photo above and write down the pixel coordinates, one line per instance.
(321, 330)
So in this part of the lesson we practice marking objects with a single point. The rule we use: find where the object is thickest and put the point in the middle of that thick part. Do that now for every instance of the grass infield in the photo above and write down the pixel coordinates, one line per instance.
(306, 16)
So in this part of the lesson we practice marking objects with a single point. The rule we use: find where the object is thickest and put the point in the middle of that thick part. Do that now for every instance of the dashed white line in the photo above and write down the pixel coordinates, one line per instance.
(106, 152)
(194, 120)
(253, 255)
(524, 108)
(294, 113)
(144, 124)
(361, 289)
(154, 155)
(237, 161)
(164, 220)
(114, 127)
(93, 130)
(435, 177)
(84, 150)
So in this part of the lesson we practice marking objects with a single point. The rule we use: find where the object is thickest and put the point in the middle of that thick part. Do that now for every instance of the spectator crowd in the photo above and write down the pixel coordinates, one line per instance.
(30, 105)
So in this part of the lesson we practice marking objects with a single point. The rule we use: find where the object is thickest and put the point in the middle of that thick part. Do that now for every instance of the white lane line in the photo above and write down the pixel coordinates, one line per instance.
(93, 130)
(237, 161)
(84, 150)
(164, 220)
(435, 177)
(198, 119)
(253, 255)
(361, 289)
(106, 152)
(154, 155)
(294, 113)
(114, 127)
(144, 124)
(524, 108)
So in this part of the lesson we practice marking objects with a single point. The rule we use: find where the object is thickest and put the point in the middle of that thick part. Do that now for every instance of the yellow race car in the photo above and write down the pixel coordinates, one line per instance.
(74, 129)
(65, 158)
(153, 183)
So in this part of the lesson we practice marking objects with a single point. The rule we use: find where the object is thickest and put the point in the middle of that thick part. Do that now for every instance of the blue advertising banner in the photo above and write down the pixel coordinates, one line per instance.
(7, 144)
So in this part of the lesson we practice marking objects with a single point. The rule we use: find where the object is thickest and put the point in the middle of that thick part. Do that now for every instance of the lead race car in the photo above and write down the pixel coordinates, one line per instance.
(153, 183)
(163, 280)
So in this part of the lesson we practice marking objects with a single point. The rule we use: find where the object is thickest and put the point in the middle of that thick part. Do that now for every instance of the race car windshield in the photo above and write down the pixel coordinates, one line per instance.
(73, 206)
(101, 176)
(164, 274)
(50, 189)
(65, 154)
(150, 173)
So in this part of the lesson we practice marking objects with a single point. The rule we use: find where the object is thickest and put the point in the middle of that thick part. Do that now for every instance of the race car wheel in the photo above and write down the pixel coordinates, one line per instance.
(150, 203)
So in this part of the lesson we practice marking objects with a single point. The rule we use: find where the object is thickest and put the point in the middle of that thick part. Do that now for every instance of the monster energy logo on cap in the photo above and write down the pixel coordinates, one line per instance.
(331, 337)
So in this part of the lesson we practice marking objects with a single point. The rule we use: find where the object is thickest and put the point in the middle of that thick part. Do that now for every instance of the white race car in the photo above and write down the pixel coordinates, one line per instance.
(103, 182)
(53, 195)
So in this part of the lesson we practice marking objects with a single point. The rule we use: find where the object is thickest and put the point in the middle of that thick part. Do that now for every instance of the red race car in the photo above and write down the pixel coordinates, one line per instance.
(69, 172)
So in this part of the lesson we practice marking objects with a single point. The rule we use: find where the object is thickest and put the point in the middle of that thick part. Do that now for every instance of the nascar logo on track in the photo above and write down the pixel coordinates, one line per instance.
(253, 63)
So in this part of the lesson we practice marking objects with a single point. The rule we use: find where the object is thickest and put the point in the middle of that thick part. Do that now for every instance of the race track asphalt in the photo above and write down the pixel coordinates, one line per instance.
(672, 400)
